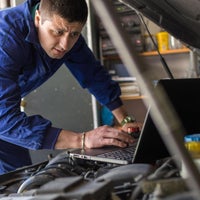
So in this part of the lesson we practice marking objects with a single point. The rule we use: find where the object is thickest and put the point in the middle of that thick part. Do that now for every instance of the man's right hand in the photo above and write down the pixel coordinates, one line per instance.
(99, 137)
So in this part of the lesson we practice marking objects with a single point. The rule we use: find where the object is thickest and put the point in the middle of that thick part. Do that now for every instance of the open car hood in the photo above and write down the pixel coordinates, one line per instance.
(181, 18)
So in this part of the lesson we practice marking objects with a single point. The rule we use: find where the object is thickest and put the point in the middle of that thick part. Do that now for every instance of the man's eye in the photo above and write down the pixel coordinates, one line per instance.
(58, 32)
(74, 35)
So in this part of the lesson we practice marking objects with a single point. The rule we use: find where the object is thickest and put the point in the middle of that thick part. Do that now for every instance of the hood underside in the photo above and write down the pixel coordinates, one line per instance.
(181, 18)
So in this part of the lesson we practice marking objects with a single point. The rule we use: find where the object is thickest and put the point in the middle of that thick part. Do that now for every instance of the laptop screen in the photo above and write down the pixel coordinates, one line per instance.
(184, 97)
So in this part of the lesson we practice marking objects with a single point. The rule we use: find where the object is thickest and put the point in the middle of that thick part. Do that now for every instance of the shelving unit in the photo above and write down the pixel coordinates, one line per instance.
(113, 58)
(109, 58)
(108, 54)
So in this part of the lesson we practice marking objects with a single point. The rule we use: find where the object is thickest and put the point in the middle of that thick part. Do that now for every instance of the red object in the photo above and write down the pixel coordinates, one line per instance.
(133, 129)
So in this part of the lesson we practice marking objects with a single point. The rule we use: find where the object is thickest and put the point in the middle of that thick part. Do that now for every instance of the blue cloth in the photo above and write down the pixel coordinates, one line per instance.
(107, 117)
(24, 66)
(18, 157)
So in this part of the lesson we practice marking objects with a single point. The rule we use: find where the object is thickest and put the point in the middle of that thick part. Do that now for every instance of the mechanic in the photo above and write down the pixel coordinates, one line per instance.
(36, 38)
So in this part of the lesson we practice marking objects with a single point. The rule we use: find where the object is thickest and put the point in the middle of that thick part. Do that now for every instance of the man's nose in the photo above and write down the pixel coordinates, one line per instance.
(64, 43)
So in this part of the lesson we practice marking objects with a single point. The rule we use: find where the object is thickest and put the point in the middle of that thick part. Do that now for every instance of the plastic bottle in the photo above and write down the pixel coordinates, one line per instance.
(192, 144)
(163, 40)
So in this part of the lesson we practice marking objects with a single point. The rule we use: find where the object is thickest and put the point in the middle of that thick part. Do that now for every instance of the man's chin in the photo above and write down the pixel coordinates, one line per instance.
(56, 56)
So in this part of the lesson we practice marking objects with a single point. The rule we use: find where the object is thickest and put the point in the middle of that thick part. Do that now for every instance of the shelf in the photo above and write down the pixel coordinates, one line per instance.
(151, 53)
(171, 51)
(131, 97)
(111, 57)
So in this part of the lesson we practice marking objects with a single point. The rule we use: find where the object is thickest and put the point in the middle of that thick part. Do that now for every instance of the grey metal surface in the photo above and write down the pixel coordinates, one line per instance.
(62, 101)
(162, 112)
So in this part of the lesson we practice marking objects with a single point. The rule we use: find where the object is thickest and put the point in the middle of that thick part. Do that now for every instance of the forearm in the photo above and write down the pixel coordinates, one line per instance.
(120, 113)
(68, 139)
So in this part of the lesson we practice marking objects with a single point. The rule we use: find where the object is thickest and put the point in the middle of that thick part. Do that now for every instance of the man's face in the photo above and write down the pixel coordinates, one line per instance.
(56, 35)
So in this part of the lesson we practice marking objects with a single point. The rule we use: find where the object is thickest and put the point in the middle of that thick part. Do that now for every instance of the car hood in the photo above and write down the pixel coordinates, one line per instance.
(181, 18)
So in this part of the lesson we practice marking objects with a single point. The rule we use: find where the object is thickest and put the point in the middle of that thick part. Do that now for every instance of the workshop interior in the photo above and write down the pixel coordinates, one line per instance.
(151, 48)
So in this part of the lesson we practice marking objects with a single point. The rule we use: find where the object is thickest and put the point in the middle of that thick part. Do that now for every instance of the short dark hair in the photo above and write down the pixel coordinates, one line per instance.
(72, 10)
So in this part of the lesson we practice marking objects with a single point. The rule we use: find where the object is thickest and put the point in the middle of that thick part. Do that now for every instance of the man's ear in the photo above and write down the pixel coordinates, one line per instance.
(37, 18)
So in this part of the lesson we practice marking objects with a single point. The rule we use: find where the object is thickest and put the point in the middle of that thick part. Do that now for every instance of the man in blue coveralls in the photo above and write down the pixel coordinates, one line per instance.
(36, 38)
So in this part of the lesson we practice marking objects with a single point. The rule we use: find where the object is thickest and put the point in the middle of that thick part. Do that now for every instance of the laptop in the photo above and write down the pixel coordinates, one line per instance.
(184, 97)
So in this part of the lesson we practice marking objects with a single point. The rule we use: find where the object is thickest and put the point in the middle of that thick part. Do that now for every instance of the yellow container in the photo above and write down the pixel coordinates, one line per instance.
(192, 144)
(163, 41)
(194, 148)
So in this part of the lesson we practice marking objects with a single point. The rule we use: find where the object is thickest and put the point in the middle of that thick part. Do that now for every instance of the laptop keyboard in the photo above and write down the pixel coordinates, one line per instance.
(120, 154)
